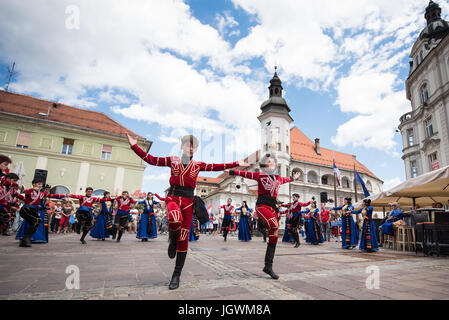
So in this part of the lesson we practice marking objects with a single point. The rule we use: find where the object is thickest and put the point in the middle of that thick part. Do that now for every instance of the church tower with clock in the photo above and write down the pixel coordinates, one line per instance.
(275, 123)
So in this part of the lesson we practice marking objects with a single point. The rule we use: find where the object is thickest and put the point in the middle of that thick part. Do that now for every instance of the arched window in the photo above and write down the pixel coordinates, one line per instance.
(369, 186)
(425, 93)
(312, 177)
(59, 190)
(327, 179)
(345, 182)
(98, 193)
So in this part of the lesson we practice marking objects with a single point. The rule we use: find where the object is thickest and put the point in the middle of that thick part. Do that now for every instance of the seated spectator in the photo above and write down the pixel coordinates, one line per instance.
(395, 215)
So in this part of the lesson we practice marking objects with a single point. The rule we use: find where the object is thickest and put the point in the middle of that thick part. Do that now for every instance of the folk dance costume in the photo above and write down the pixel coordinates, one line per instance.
(180, 200)
(268, 187)
(35, 224)
(314, 235)
(147, 228)
(294, 222)
(194, 234)
(244, 227)
(349, 236)
(8, 198)
(368, 242)
(102, 228)
(227, 219)
(122, 215)
(84, 213)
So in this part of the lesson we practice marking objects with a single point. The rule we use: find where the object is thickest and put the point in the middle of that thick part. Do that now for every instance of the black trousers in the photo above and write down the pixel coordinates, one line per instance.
(30, 215)
(84, 220)
(121, 221)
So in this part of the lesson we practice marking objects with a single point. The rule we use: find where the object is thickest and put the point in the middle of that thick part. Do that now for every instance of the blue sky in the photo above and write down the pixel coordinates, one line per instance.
(167, 68)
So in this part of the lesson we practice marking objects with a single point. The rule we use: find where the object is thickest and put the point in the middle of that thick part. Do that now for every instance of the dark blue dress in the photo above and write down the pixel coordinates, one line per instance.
(142, 229)
(244, 234)
(100, 230)
(314, 235)
(395, 215)
(287, 236)
(368, 242)
(349, 235)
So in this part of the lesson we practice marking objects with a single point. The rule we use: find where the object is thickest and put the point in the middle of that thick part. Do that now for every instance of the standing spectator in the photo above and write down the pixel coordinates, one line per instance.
(132, 225)
(215, 222)
(57, 215)
(325, 225)
(66, 214)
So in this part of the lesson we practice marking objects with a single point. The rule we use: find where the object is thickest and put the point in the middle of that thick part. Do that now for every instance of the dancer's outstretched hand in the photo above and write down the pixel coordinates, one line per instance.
(242, 163)
(131, 141)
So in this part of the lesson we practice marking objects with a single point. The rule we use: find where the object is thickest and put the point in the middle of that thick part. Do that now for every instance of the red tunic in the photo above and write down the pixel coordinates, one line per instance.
(296, 206)
(86, 201)
(180, 176)
(8, 196)
(266, 185)
(34, 198)
(227, 209)
(123, 204)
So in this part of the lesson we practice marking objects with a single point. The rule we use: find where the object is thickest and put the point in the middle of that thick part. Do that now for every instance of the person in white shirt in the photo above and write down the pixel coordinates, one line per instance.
(134, 217)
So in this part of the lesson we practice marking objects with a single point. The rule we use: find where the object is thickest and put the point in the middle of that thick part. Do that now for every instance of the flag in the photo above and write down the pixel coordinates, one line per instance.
(208, 208)
(360, 180)
(337, 173)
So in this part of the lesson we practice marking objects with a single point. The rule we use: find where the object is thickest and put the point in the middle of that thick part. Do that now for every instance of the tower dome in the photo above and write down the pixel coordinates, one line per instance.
(436, 28)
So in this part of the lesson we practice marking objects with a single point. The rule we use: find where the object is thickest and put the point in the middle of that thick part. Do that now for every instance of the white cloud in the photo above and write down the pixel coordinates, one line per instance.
(390, 183)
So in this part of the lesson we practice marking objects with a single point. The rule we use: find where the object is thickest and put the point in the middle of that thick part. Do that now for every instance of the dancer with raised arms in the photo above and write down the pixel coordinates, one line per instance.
(180, 199)
(268, 188)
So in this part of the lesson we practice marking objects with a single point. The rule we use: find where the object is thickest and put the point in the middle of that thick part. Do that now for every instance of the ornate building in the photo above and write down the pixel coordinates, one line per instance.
(425, 129)
(293, 150)
(79, 148)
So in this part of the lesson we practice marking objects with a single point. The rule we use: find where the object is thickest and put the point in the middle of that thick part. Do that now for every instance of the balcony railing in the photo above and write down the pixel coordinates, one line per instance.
(406, 117)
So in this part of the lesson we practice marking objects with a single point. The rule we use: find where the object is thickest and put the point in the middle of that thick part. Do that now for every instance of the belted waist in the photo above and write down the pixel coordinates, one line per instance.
(179, 191)
(266, 200)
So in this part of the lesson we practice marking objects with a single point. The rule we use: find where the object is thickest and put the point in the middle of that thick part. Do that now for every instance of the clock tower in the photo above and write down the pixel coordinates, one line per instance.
(275, 122)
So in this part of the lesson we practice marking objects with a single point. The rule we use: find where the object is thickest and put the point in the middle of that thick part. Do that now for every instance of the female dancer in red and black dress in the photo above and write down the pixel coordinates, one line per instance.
(180, 199)
(268, 187)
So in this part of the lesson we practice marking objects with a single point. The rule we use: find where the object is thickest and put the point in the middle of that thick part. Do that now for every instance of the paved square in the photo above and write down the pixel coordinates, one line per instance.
(214, 270)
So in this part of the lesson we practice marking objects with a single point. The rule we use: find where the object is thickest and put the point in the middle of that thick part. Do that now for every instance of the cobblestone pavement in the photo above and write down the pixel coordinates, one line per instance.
(214, 270)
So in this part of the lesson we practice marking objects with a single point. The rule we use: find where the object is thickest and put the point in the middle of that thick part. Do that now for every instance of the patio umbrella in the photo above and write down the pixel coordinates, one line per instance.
(20, 171)
(424, 191)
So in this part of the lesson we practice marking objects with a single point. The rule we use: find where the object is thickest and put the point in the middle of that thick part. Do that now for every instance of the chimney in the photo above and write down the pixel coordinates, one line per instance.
(317, 146)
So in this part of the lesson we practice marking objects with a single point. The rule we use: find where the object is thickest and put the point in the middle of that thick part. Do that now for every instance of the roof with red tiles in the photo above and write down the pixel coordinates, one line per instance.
(303, 149)
(28, 106)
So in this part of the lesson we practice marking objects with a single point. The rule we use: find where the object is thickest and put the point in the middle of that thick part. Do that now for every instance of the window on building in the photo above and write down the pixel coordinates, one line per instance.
(428, 127)
(410, 137)
(106, 152)
(59, 190)
(98, 193)
(67, 146)
(414, 169)
(421, 56)
(287, 171)
(279, 169)
(432, 161)
(287, 150)
(324, 180)
(425, 93)
(279, 147)
(266, 147)
(345, 182)
(23, 140)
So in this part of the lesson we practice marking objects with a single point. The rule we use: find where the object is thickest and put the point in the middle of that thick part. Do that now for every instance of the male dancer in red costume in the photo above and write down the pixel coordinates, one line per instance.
(228, 212)
(268, 187)
(122, 214)
(29, 211)
(180, 199)
(295, 216)
(84, 211)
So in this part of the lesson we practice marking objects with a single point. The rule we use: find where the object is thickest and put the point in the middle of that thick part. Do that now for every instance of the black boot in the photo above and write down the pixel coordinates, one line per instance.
(114, 233)
(269, 255)
(180, 259)
(225, 234)
(119, 235)
(83, 236)
(25, 242)
(296, 237)
(172, 237)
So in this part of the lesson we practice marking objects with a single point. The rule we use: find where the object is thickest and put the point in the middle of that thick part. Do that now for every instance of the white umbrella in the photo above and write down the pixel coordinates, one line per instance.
(20, 171)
